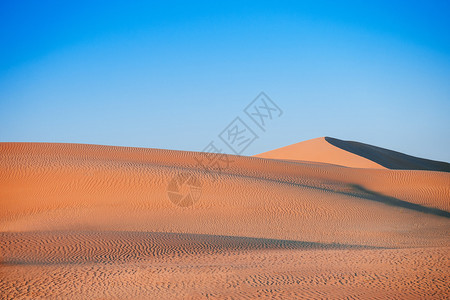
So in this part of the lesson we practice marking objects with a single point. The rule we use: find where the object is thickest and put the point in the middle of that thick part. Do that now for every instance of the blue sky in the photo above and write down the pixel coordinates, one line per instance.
(172, 74)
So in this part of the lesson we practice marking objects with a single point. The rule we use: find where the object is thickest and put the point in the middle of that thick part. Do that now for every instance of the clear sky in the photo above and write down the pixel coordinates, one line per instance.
(172, 74)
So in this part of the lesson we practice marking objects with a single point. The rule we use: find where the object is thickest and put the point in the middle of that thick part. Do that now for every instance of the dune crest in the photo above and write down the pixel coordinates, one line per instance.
(352, 154)
(320, 150)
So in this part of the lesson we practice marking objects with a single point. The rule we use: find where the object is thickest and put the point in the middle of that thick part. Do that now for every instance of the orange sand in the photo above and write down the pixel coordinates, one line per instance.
(85, 221)
(353, 154)
(319, 150)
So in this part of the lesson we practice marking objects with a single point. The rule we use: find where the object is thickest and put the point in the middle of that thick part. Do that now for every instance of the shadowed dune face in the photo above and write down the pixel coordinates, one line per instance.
(77, 210)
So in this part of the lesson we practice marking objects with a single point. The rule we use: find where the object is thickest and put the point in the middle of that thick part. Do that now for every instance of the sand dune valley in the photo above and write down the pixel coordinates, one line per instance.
(321, 219)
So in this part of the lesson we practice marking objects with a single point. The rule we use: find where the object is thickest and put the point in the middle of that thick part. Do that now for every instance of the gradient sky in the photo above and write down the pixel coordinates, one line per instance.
(172, 74)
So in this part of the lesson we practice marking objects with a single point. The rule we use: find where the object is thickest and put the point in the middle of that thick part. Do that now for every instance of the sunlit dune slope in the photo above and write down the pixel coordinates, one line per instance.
(72, 187)
(352, 154)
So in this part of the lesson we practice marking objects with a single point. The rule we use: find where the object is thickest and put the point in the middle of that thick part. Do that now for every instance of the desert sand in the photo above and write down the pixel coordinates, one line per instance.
(353, 154)
(323, 218)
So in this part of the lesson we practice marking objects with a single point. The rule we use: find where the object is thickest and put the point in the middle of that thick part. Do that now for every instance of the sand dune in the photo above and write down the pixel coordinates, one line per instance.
(353, 154)
(87, 221)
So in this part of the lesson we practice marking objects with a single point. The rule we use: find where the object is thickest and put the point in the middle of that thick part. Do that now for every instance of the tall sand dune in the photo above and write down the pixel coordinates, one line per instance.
(88, 221)
(353, 154)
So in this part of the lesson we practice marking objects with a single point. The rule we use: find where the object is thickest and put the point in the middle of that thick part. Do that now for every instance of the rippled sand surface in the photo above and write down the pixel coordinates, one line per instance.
(86, 221)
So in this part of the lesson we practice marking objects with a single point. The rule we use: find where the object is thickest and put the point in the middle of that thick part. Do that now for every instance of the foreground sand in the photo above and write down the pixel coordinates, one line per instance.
(84, 221)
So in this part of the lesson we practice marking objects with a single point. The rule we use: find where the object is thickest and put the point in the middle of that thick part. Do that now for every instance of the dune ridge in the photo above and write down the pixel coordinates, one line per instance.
(352, 154)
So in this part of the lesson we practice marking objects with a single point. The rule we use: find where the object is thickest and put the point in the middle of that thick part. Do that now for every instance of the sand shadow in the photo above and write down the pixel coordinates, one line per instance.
(378, 197)
(57, 248)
